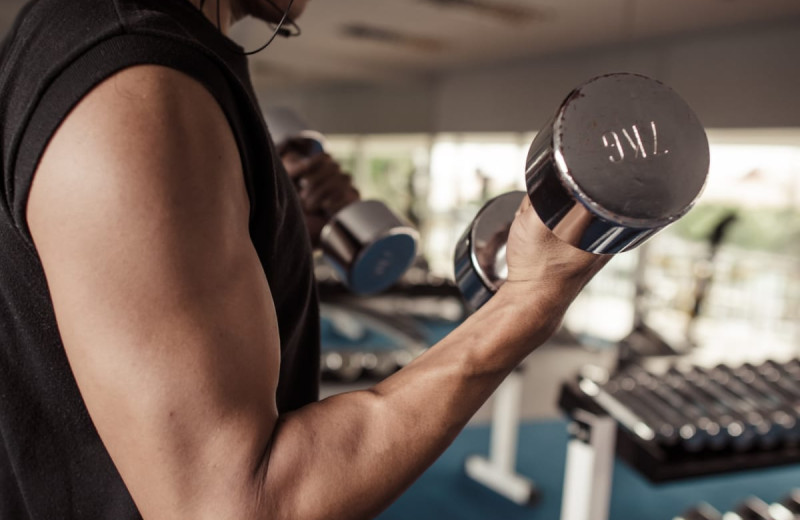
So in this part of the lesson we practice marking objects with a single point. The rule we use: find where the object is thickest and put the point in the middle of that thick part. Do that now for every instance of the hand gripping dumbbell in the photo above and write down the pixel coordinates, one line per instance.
(367, 244)
(623, 157)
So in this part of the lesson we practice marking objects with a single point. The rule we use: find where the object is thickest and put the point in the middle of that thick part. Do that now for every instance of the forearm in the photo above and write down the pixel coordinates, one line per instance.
(350, 455)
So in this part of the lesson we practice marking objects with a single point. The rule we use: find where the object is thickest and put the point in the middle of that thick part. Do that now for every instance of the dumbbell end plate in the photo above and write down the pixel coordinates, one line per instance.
(480, 262)
(623, 157)
(384, 261)
(369, 246)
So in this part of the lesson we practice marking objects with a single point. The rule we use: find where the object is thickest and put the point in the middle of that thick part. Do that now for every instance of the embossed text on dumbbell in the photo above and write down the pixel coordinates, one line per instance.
(611, 140)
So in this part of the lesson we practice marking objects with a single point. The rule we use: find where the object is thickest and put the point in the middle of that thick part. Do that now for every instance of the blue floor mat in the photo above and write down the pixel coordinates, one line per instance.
(445, 492)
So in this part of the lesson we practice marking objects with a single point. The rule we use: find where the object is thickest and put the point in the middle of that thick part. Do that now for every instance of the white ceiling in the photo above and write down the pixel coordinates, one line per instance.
(455, 37)
(470, 38)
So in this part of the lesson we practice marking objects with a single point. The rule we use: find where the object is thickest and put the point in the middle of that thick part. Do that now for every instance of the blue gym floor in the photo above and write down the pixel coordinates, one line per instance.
(445, 492)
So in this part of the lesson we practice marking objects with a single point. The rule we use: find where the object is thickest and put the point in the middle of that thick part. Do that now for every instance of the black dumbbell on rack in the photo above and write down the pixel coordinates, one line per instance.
(766, 433)
(737, 434)
(696, 429)
(697, 409)
(701, 511)
(692, 421)
(792, 502)
(780, 413)
(753, 508)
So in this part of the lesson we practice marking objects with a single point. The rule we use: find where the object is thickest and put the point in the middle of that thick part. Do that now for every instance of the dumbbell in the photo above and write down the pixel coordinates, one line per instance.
(696, 429)
(629, 394)
(773, 380)
(757, 430)
(781, 512)
(367, 244)
(643, 425)
(701, 511)
(792, 502)
(686, 432)
(758, 395)
(775, 393)
(769, 432)
(752, 509)
(793, 367)
(346, 366)
(735, 432)
(771, 374)
(789, 370)
(623, 157)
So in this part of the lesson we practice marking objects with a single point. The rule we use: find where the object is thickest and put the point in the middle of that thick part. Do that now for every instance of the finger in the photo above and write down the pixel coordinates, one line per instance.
(294, 163)
(524, 204)
(321, 177)
(318, 174)
(299, 166)
(327, 189)
(339, 200)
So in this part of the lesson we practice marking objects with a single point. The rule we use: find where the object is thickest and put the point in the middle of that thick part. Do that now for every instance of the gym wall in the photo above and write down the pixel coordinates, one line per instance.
(732, 78)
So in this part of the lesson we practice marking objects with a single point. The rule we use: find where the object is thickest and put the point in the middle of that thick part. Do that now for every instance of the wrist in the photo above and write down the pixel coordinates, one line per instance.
(537, 310)
(507, 328)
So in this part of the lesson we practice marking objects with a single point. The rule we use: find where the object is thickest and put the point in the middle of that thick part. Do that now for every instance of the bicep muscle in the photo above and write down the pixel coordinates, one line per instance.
(140, 216)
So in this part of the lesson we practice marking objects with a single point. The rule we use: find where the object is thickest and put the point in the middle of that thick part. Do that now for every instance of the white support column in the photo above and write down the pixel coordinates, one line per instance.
(589, 468)
(497, 472)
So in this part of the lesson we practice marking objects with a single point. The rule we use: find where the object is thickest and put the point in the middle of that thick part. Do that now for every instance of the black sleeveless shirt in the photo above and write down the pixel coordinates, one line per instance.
(52, 462)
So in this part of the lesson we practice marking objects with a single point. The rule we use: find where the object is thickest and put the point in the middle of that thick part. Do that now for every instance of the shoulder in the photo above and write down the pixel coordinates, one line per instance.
(151, 103)
(147, 145)
(150, 116)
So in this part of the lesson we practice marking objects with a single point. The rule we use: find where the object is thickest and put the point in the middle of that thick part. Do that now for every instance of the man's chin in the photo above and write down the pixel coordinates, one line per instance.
(298, 8)
(262, 9)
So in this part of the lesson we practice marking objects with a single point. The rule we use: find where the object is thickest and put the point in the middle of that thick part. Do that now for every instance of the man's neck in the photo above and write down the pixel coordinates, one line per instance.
(223, 17)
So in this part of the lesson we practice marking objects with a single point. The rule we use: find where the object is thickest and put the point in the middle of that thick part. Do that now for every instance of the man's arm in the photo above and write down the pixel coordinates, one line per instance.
(140, 216)
(139, 213)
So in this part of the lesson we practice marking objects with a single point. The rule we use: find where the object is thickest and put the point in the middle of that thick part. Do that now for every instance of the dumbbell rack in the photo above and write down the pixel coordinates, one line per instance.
(597, 433)
(600, 428)
(659, 463)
